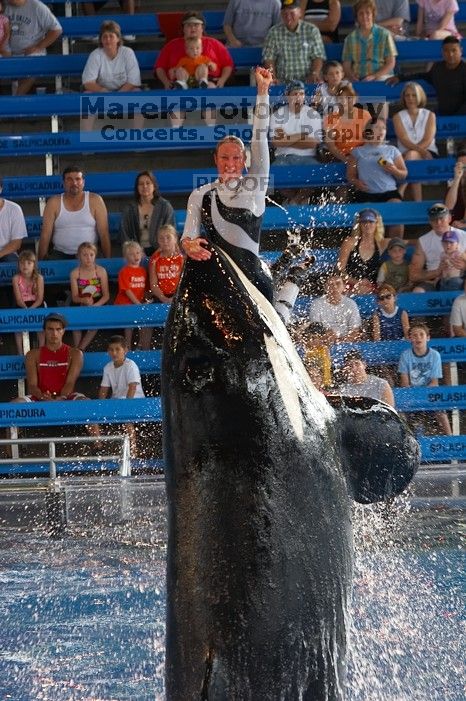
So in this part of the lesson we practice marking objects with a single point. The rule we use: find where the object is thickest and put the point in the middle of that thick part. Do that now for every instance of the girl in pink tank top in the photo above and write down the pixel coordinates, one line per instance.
(28, 290)
(89, 288)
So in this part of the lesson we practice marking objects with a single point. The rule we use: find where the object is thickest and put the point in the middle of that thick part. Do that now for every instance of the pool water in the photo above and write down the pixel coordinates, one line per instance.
(82, 617)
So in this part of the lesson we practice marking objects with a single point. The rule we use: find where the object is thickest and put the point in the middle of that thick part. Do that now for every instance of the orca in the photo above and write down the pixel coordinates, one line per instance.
(260, 475)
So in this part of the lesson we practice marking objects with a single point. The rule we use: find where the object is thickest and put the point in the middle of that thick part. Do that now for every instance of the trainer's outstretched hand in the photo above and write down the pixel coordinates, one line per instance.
(195, 250)
(264, 79)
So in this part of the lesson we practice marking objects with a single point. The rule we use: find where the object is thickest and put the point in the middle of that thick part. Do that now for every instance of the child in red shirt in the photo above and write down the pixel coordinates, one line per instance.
(165, 265)
(132, 281)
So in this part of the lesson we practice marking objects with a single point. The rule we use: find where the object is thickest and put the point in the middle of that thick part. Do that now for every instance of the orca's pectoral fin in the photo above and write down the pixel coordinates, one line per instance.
(379, 453)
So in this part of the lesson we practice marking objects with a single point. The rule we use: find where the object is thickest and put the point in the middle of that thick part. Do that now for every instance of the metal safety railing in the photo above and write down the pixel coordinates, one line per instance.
(123, 457)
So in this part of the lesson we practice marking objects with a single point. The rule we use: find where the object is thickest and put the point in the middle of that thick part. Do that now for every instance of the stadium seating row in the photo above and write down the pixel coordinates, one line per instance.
(276, 219)
(149, 410)
(183, 181)
(110, 316)
(244, 57)
(149, 24)
(155, 138)
(69, 104)
(452, 350)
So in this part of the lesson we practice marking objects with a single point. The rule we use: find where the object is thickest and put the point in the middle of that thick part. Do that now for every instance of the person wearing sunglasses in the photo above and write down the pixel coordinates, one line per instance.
(389, 321)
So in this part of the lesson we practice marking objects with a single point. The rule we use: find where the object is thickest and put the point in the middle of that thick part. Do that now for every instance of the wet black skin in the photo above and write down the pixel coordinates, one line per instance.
(260, 553)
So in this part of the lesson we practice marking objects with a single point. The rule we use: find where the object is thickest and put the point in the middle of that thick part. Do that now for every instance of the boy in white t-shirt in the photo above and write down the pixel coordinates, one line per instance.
(121, 375)
(122, 378)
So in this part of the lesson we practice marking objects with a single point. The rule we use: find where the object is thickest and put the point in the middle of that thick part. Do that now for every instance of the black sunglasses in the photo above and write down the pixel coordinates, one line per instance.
(387, 296)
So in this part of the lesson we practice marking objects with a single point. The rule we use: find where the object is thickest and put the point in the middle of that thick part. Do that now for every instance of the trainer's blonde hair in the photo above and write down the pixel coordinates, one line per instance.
(231, 139)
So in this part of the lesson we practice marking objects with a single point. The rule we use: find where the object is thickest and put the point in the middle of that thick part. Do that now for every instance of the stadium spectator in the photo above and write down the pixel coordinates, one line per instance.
(361, 384)
(193, 25)
(421, 366)
(89, 288)
(72, 218)
(247, 22)
(375, 168)
(112, 66)
(5, 30)
(132, 283)
(296, 131)
(369, 52)
(455, 198)
(312, 342)
(325, 15)
(359, 257)
(452, 263)
(53, 369)
(192, 69)
(149, 211)
(447, 76)
(394, 15)
(415, 128)
(389, 321)
(395, 271)
(165, 265)
(33, 29)
(424, 270)
(28, 290)
(122, 379)
(12, 229)
(165, 268)
(336, 312)
(435, 19)
(325, 98)
(458, 313)
(344, 128)
(293, 49)
(91, 8)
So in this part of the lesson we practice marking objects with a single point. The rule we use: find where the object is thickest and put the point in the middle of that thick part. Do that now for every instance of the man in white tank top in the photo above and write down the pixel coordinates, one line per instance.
(73, 218)
(12, 229)
(424, 270)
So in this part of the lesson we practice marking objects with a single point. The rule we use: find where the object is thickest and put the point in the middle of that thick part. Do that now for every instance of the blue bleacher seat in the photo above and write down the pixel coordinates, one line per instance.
(276, 218)
(182, 181)
(244, 57)
(155, 138)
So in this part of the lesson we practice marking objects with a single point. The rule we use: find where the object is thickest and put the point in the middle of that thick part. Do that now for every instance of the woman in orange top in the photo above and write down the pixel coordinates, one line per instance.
(344, 129)
(165, 265)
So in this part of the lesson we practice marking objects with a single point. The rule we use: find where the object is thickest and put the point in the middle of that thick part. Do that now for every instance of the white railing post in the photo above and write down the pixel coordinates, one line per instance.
(125, 466)
(52, 462)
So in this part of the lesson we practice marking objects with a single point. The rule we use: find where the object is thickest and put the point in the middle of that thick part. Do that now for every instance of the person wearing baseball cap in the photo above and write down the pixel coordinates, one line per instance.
(193, 25)
(395, 270)
(296, 131)
(293, 49)
(424, 270)
(452, 263)
(360, 253)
